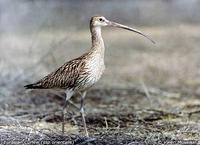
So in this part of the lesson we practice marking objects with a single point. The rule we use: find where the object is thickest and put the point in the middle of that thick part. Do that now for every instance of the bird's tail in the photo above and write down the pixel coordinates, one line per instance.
(34, 86)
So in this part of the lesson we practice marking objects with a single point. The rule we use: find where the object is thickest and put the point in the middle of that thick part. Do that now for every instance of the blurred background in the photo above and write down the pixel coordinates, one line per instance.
(150, 92)
(38, 36)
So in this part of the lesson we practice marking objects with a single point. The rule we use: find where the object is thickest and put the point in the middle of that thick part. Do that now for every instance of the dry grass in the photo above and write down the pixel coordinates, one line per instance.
(36, 117)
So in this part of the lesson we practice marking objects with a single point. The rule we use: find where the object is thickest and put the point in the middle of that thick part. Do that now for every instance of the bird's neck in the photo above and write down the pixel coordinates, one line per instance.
(97, 41)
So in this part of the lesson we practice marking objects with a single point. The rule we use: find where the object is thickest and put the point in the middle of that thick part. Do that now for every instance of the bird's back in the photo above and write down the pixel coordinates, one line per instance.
(65, 77)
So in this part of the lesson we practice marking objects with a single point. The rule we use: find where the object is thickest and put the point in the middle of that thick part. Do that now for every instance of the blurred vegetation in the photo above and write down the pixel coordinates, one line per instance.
(26, 15)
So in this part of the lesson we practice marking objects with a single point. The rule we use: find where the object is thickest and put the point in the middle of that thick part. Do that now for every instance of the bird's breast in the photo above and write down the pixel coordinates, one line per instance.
(95, 68)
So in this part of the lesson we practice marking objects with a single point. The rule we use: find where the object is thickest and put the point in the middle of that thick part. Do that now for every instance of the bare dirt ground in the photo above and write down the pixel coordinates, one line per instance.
(148, 95)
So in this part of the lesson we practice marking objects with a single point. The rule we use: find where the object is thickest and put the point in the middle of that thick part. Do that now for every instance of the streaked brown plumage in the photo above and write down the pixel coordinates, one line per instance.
(65, 77)
(79, 74)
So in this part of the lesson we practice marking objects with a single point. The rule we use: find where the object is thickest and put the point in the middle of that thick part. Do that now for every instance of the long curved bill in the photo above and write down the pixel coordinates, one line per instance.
(129, 28)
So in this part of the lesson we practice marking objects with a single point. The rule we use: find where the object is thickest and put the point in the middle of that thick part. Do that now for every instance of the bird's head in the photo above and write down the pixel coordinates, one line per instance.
(98, 21)
(101, 21)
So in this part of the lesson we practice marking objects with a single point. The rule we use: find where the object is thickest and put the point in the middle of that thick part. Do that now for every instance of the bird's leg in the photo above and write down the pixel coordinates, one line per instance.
(69, 101)
(63, 116)
(83, 113)
(74, 105)
(68, 96)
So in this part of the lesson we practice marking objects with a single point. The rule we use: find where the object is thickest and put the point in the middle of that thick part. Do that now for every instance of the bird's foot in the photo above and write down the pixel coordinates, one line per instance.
(84, 140)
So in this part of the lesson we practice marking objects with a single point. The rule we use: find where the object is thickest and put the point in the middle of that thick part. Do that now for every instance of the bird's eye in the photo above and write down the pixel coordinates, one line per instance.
(100, 19)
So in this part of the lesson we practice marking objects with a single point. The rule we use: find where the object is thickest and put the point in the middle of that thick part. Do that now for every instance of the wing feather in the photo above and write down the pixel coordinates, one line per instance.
(64, 77)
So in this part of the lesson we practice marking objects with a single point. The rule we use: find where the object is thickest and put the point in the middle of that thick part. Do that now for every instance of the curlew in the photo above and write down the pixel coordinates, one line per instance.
(79, 74)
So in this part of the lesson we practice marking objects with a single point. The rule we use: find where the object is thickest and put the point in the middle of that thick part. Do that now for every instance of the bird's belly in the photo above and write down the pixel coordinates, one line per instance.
(95, 75)
(92, 77)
